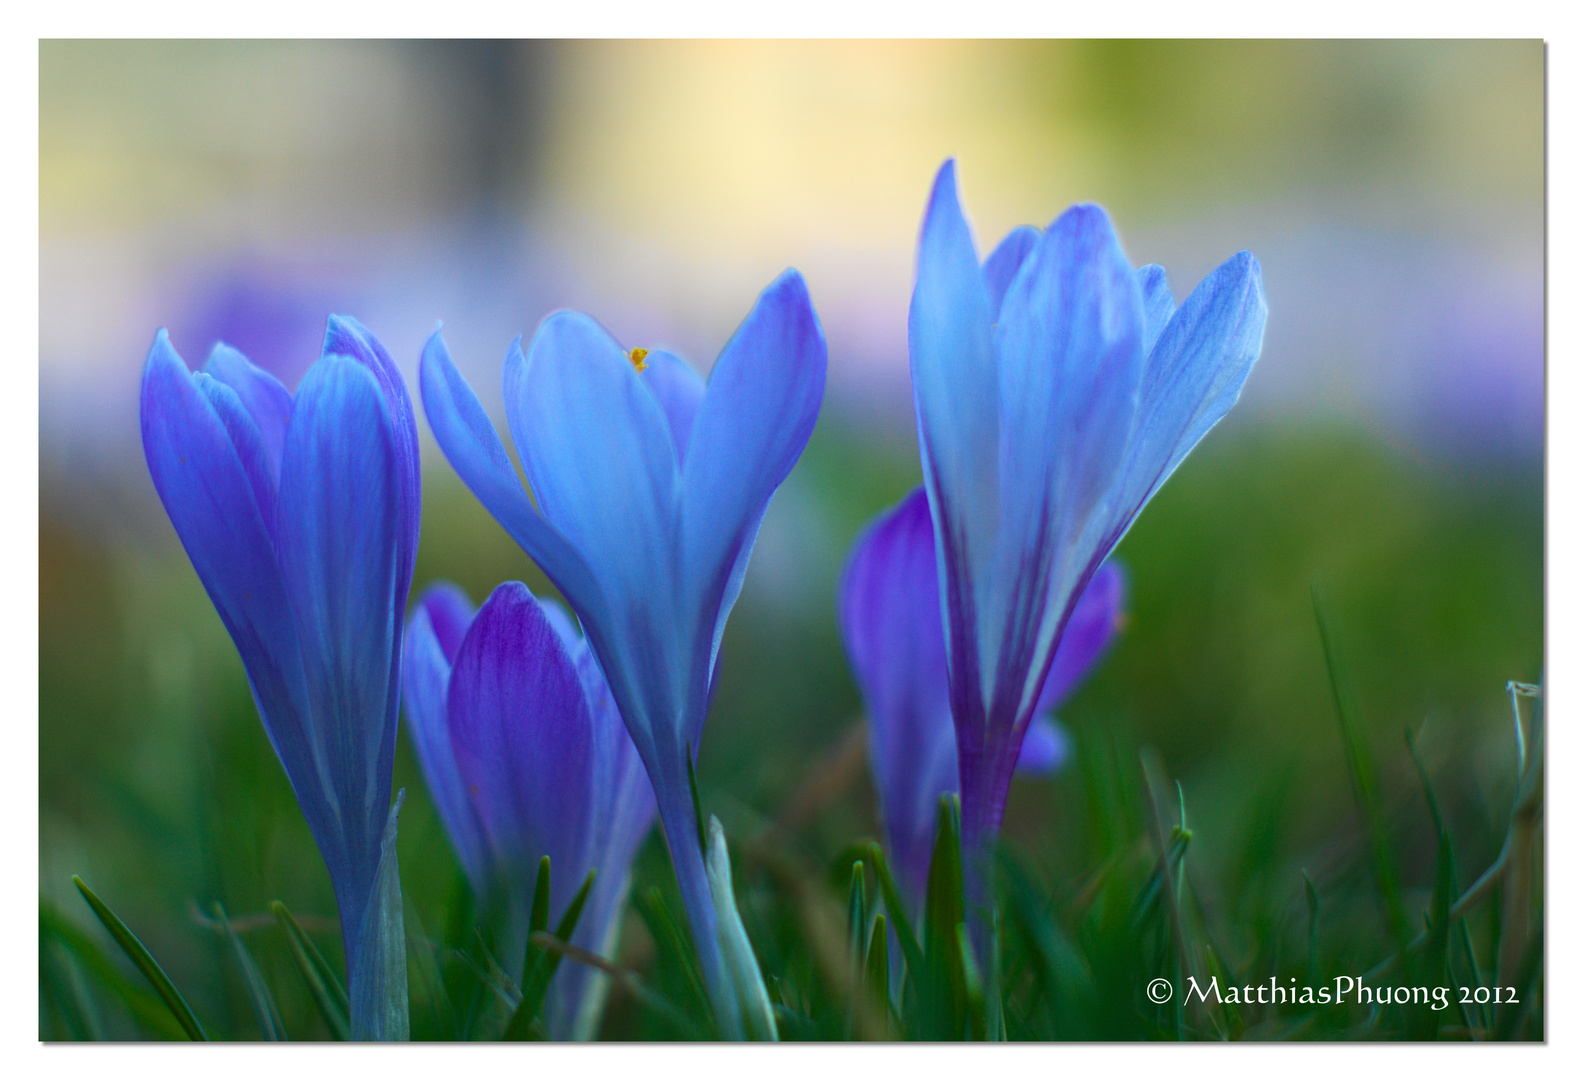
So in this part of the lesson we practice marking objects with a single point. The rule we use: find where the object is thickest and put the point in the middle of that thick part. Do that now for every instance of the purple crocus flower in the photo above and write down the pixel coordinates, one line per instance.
(301, 519)
(890, 619)
(1056, 389)
(650, 489)
(526, 756)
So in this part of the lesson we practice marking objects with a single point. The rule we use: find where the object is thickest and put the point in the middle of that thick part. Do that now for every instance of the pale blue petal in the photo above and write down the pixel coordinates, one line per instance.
(210, 500)
(596, 448)
(339, 527)
(262, 474)
(1194, 376)
(1159, 304)
(761, 404)
(1000, 268)
(475, 451)
(345, 336)
(1070, 340)
(263, 396)
(956, 389)
(679, 390)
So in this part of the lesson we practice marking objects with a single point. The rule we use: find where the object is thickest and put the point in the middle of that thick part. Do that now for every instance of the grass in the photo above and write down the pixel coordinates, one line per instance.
(1264, 788)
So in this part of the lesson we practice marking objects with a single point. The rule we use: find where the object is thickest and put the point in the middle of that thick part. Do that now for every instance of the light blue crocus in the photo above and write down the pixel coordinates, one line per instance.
(525, 754)
(1056, 389)
(649, 491)
(300, 516)
(891, 624)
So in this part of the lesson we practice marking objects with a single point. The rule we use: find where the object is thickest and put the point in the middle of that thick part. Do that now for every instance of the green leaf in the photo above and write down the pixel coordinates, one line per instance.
(1359, 763)
(697, 803)
(538, 917)
(676, 957)
(535, 982)
(943, 995)
(145, 1006)
(878, 966)
(328, 993)
(972, 986)
(911, 952)
(270, 1027)
(145, 963)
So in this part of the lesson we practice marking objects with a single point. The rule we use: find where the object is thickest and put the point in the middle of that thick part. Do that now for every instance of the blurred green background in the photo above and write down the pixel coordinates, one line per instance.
(1389, 443)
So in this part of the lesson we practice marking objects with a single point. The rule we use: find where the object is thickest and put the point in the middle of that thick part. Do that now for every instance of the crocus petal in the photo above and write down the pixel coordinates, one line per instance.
(1002, 264)
(450, 612)
(890, 620)
(345, 336)
(248, 441)
(1092, 627)
(679, 391)
(263, 396)
(425, 677)
(1195, 374)
(1158, 303)
(1070, 340)
(1045, 748)
(596, 449)
(522, 735)
(338, 525)
(211, 503)
(761, 404)
(475, 451)
(956, 388)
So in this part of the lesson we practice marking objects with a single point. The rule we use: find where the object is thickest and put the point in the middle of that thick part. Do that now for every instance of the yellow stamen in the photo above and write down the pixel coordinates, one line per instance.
(638, 358)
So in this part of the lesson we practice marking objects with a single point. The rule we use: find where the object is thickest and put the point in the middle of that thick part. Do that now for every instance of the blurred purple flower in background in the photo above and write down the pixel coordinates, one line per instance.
(526, 756)
(1056, 390)
(301, 519)
(650, 489)
(890, 619)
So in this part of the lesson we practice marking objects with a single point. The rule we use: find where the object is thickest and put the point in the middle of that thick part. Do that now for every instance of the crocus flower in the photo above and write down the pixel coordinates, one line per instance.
(1056, 389)
(890, 619)
(301, 519)
(650, 488)
(526, 756)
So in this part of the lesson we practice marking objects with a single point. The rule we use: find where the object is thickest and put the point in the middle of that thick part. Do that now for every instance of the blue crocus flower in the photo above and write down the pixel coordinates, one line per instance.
(1056, 389)
(526, 756)
(891, 622)
(301, 519)
(649, 490)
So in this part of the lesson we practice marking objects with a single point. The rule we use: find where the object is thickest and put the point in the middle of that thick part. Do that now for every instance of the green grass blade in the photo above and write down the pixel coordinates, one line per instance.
(676, 956)
(328, 993)
(1359, 764)
(697, 803)
(972, 987)
(944, 989)
(535, 985)
(911, 952)
(270, 1027)
(878, 964)
(538, 917)
(145, 963)
(145, 1006)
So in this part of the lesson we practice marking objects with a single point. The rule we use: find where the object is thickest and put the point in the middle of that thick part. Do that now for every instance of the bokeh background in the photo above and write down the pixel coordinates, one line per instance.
(1388, 445)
